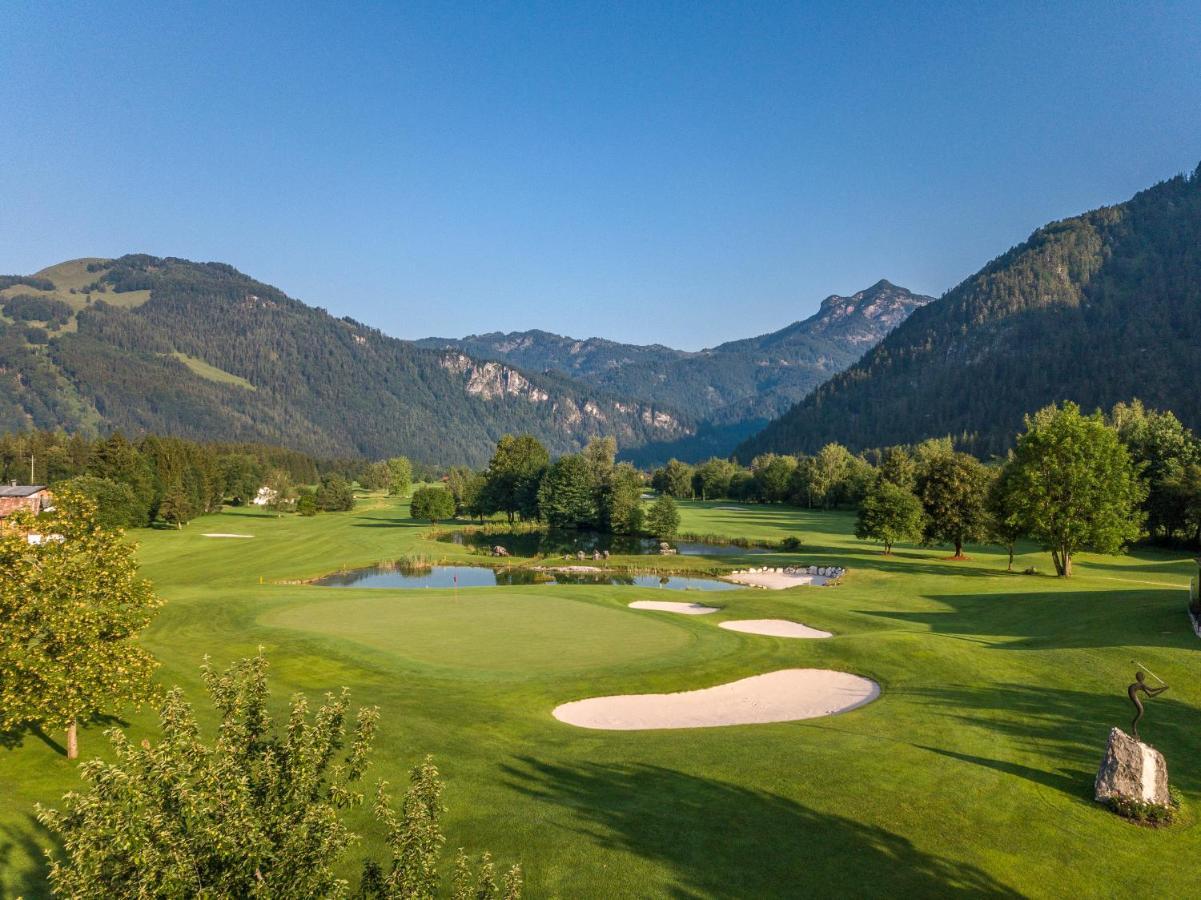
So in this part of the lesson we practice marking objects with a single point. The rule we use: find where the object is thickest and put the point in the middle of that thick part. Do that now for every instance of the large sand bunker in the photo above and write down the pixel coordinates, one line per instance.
(687, 609)
(783, 696)
(228, 535)
(775, 628)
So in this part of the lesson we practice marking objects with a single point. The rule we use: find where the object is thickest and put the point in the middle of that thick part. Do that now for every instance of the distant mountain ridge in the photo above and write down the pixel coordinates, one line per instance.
(200, 350)
(732, 389)
(1098, 308)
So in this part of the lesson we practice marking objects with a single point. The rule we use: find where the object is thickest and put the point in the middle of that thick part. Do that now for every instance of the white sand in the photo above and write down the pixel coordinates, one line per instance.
(579, 569)
(732, 508)
(228, 535)
(775, 581)
(688, 609)
(775, 628)
(783, 696)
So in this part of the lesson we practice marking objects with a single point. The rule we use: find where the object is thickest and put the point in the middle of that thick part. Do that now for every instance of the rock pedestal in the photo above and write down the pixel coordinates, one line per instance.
(1132, 770)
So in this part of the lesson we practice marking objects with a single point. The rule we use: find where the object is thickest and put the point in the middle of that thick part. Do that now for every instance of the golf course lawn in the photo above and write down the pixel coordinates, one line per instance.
(972, 773)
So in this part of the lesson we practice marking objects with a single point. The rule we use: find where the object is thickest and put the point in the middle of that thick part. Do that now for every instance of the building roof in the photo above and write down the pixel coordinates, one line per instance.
(21, 490)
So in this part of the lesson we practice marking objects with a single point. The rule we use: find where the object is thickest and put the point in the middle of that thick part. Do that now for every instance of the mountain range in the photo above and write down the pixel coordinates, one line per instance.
(730, 391)
(1098, 308)
(149, 344)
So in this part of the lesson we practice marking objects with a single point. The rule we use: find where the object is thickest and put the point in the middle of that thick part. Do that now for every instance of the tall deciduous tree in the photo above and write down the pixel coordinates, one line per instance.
(567, 497)
(432, 504)
(621, 500)
(1073, 486)
(663, 520)
(514, 474)
(953, 489)
(72, 607)
(401, 476)
(888, 514)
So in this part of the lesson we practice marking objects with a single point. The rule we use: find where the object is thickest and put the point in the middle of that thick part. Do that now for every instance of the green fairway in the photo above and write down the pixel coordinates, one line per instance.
(972, 773)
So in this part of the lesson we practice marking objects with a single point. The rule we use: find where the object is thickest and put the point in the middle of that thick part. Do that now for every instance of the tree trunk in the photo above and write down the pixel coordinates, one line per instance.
(72, 741)
(1010, 568)
(1067, 564)
(958, 548)
(1055, 560)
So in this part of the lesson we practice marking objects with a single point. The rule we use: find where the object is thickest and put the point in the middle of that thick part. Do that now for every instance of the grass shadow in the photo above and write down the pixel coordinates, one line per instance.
(724, 840)
(32, 840)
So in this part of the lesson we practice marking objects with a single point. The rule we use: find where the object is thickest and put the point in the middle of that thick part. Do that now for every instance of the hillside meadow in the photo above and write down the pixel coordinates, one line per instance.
(971, 774)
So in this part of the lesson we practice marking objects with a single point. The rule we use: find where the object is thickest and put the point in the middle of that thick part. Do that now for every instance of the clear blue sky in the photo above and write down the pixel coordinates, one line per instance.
(682, 173)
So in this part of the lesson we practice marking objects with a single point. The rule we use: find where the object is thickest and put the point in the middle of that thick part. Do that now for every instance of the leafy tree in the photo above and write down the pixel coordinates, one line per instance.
(414, 839)
(118, 460)
(377, 476)
(897, 466)
(825, 473)
(953, 489)
(514, 475)
(176, 507)
(1163, 448)
(432, 504)
(335, 494)
(475, 496)
(674, 479)
(663, 520)
(116, 505)
(621, 500)
(401, 477)
(457, 480)
(1072, 485)
(72, 607)
(241, 477)
(253, 813)
(774, 476)
(568, 494)
(282, 491)
(1004, 529)
(889, 514)
(306, 502)
(600, 455)
(713, 477)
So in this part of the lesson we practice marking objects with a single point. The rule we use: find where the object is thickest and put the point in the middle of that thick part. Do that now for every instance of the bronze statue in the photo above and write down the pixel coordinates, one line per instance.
(1133, 690)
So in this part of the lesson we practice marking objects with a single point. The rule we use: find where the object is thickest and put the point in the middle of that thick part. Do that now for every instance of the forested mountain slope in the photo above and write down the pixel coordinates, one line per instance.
(1098, 308)
(202, 351)
(734, 388)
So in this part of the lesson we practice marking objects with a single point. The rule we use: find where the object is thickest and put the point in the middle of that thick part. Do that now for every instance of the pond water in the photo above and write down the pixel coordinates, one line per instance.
(568, 543)
(479, 576)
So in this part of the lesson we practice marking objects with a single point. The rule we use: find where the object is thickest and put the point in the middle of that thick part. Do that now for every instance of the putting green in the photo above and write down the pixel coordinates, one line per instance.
(510, 631)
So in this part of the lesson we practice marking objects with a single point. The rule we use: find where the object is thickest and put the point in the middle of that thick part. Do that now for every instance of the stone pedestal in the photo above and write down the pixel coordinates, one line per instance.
(1132, 770)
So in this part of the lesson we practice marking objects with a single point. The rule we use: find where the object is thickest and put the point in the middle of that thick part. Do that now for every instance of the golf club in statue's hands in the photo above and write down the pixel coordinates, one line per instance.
(1140, 685)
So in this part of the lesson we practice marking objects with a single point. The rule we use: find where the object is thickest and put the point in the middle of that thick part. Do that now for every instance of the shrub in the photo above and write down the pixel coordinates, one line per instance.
(791, 544)
(432, 504)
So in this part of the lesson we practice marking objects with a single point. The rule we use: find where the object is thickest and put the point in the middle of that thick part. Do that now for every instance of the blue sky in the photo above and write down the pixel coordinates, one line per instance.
(681, 173)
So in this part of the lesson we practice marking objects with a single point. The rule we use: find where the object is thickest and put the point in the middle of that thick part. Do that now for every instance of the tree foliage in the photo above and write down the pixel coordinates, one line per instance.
(433, 504)
(889, 514)
(1072, 485)
(72, 607)
(953, 488)
(663, 519)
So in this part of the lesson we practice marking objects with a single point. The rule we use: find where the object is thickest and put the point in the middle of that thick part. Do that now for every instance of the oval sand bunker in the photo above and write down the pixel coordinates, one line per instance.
(783, 696)
(687, 609)
(775, 628)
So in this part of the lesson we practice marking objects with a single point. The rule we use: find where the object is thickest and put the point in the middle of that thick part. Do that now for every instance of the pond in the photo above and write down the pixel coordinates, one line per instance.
(569, 543)
(479, 576)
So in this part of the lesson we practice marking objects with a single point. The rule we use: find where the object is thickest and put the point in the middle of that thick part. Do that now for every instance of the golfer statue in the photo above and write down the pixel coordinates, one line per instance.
(1133, 691)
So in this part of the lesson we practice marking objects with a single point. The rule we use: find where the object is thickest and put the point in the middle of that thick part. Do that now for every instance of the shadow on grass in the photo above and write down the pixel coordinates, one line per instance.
(31, 840)
(11, 740)
(724, 840)
(1067, 728)
(1048, 618)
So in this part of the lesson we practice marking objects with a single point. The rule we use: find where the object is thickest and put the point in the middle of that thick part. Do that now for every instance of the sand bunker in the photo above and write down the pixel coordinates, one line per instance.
(228, 535)
(775, 628)
(776, 579)
(688, 609)
(783, 696)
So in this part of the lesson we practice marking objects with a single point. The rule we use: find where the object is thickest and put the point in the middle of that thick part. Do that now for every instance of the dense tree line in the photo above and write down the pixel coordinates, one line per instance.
(135, 483)
(330, 387)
